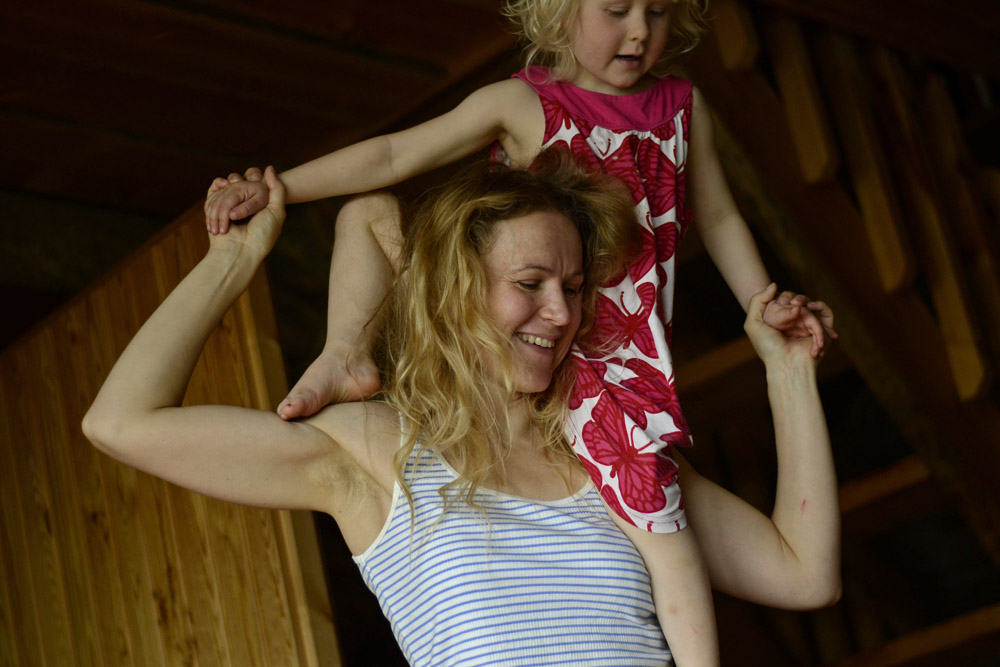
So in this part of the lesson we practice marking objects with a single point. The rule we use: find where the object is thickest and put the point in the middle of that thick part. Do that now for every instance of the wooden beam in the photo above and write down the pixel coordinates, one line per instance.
(738, 43)
(866, 160)
(888, 497)
(963, 33)
(800, 95)
(929, 223)
(960, 641)
(974, 233)
(892, 339)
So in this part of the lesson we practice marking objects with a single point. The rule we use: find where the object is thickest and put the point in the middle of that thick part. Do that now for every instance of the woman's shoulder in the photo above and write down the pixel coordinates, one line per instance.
(368, 432)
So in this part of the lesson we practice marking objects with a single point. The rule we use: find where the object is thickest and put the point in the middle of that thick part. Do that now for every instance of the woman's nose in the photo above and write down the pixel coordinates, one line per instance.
(556, 309)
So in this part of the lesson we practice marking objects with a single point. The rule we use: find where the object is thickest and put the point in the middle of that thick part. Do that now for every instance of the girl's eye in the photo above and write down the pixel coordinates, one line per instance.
(570, 290)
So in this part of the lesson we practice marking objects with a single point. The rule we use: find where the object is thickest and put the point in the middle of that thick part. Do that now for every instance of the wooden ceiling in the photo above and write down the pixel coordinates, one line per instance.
(842, 124)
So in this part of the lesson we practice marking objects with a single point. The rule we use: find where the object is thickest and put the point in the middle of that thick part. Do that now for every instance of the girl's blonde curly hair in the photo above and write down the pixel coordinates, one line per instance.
(441, 347)
(545, 25)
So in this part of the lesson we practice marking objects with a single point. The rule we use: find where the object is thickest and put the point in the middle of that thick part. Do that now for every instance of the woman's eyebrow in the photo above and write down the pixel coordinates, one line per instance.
(542, 267)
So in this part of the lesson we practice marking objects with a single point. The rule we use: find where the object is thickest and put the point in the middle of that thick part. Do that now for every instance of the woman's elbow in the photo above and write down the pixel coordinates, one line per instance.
(823, 591)
(104, 430)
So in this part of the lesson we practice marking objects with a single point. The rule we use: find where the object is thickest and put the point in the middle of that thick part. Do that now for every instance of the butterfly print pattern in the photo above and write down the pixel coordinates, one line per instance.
(624, 412)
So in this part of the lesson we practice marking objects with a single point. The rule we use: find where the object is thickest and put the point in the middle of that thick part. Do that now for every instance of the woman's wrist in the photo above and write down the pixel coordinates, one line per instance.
(794, 371)
(233, 263)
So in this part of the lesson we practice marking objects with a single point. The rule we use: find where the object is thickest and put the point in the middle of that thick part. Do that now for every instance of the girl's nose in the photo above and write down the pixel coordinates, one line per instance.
(638, 28)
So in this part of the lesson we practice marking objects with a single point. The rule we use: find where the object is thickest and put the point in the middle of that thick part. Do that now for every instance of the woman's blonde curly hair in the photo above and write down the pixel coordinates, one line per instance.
(441, 347)
(545, 25)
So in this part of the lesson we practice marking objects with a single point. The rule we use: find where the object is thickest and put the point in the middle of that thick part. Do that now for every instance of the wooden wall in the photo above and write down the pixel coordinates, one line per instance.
(104, 565)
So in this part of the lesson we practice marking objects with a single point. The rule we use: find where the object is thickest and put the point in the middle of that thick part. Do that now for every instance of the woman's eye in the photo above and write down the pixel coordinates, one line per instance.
(527, 285)
(570, 290)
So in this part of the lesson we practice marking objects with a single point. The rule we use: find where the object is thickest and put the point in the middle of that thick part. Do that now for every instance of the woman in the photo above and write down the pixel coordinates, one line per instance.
(470, 518)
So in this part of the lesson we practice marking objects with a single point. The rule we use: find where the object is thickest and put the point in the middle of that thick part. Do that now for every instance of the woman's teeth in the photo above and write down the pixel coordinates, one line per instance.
(535, 340)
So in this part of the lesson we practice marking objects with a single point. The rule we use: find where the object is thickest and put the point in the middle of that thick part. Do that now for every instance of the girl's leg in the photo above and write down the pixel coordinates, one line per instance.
(366, 250)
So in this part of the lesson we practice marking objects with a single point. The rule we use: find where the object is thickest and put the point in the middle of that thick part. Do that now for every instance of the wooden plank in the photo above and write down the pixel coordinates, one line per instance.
(963, 33)
(68, 525)
(87, 361)
(8, 647)
(739, 47)
(39, 513)
(960, 641)
(25, 632)
(116, 320)
(277, 636)
(866, 160)
(800, 95)
(942, 268)
(224, 526)
(197, 575)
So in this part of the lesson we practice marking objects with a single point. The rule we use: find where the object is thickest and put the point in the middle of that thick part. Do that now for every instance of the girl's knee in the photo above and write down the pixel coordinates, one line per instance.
(373, 209)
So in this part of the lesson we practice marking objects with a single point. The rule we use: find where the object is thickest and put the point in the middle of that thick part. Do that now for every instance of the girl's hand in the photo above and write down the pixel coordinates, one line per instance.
(234, 198)
(259, 234)
(797, 317)
(771, 343)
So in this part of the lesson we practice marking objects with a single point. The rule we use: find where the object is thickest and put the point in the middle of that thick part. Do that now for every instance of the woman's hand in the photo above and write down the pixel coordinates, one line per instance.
(258, 235)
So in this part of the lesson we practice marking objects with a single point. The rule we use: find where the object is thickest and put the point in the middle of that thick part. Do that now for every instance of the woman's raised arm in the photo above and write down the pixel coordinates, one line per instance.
(792, 558)
(236, 454)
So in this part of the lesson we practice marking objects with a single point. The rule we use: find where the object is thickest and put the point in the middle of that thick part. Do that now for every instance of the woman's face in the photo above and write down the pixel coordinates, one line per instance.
(534, 268)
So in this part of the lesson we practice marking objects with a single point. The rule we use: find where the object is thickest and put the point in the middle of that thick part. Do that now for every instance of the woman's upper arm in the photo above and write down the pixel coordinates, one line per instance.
(745, 553)
(240, 455)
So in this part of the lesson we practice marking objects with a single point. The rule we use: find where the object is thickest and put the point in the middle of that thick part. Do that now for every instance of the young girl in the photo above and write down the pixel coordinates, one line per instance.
(590, 84)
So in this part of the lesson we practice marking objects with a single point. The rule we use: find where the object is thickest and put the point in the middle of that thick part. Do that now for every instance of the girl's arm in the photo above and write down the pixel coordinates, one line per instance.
(731, 245)
(235, 454)
(791, 559)
(722, 229)
(501, 111)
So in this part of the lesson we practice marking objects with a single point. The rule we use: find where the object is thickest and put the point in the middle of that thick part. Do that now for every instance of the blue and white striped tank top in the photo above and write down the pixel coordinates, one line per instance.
(544, 583)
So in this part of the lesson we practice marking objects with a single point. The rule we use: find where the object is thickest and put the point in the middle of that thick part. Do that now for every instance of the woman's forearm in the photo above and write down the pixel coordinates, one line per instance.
(806, 511)
(154, 369)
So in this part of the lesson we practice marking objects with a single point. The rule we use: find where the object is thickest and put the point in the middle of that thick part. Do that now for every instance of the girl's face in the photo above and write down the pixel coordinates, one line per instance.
(617, 42)
(534, 269)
